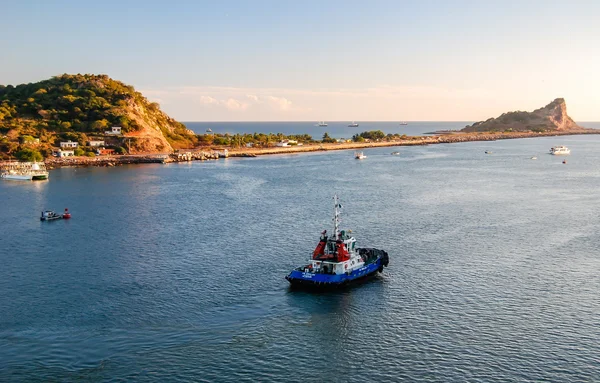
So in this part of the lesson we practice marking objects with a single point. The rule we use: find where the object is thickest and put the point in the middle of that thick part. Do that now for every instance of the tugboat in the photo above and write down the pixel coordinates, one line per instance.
(49, 215)
(337, 262)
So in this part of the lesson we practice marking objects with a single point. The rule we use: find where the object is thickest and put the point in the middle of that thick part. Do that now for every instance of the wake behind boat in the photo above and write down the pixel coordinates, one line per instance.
(337, 262)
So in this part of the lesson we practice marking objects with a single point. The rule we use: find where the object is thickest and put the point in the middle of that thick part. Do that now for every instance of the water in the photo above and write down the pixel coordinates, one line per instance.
(336, 129)
(176, 272)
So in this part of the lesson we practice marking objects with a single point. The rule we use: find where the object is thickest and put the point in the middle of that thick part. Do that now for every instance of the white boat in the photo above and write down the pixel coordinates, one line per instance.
(395, 153)
(23, 171)
(560, 150)
(353, 125)
(322, 123)
(359, 155)
(534, 158)
(404, 123)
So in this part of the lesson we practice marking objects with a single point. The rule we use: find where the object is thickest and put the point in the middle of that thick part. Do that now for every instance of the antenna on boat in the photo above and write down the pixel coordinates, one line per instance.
(336, 216)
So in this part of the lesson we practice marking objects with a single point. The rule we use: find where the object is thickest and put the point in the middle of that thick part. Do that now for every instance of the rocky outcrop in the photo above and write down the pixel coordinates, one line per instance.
(552, 117)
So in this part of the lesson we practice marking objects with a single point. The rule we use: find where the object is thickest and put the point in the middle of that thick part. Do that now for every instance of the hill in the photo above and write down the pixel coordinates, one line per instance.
(80, 108)
(552, 117)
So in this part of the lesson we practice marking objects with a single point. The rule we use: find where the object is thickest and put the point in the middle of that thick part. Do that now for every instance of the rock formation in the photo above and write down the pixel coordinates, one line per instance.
(552, 117)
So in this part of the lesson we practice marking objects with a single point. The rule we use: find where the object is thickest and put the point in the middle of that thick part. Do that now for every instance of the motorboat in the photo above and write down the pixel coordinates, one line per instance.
(395, 153)
(560, 150)
(49, 215)
(336, 261)
(322, 123)
(359, 155)
(404, 123)
(353, 125)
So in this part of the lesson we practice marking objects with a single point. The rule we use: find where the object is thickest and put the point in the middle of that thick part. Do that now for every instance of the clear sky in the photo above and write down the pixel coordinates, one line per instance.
(318, 60)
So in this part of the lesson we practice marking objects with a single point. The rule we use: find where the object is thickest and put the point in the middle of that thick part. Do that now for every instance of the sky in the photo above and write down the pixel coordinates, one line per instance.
(327, 60)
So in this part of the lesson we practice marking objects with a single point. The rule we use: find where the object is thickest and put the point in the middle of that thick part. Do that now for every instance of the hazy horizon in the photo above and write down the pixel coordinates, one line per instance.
(311, 61)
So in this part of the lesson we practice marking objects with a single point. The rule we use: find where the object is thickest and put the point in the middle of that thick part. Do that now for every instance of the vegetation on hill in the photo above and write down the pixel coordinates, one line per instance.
(549, 118)
(78, 107)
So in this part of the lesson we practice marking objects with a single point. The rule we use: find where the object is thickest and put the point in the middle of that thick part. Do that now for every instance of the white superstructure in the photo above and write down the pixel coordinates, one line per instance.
(560, 150)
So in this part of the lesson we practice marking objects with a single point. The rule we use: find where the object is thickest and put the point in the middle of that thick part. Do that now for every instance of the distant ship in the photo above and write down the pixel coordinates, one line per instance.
(404, 123)
(209, 130)
(322, 123)
(353, 125)
(24, 171)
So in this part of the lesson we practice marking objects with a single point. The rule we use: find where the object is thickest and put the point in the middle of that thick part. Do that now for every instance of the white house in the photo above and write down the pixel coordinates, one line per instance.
(115, 130)
(96, 143)
(69, 144)
(287, 143)
(65, 153)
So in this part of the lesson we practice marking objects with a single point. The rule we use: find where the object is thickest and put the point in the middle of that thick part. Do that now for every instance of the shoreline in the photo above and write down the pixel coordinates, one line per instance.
(212, 153)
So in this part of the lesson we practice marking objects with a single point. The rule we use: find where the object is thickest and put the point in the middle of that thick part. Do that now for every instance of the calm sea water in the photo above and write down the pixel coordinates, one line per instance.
(337, 129)
(176, 272)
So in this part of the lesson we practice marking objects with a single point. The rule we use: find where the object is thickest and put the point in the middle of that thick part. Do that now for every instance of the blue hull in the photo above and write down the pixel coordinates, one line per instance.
(299, 278)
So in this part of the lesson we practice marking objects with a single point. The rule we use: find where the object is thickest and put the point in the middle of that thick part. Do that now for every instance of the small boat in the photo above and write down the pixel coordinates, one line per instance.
(534, 158)
(359, 155)
(488, 152)
(322, 123)
(395, 153)
(564, 161)
(209, 130)
(353, 125)
(337, 262)
(560, 150)
(49, 215)
(404, 123)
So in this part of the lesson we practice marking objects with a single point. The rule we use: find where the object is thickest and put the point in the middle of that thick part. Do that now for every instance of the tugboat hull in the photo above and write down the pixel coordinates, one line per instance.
(308, 280)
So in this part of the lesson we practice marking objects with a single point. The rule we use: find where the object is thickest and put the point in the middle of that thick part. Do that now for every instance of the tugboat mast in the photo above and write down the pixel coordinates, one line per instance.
(336, 216)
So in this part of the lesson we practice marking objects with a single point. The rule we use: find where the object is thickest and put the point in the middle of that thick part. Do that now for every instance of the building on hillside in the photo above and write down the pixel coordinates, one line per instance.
(96, 143)
(69, 144)
(64, 153)
(115, 131)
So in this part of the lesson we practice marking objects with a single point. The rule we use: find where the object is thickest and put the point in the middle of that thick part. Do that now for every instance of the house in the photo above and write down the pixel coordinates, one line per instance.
(287, 143)
(69, 144)
(115, 130)
(64, 153)
(96, 143)
(105, 152)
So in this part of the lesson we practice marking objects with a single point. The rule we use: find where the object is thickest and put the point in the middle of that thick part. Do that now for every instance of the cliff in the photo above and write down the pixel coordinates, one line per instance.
(552, 117)
(81, 108)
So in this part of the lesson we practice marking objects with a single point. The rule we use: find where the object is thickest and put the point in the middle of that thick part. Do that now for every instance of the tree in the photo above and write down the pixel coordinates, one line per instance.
(327, 138)
(29, 155)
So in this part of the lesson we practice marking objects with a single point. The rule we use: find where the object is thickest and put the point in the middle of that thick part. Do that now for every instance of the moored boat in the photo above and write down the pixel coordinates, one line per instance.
(23, 171)
(560, 150)
(49, 215)
(337, 262)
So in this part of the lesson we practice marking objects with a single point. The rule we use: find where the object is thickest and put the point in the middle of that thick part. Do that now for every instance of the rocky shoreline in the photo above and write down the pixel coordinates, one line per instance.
(214, 154)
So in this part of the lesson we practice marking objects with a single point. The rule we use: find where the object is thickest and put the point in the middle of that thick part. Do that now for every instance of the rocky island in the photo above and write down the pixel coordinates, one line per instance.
(551, 118)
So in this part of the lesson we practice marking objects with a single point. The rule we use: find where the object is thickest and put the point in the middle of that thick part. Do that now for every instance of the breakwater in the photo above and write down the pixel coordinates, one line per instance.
(213, 154)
